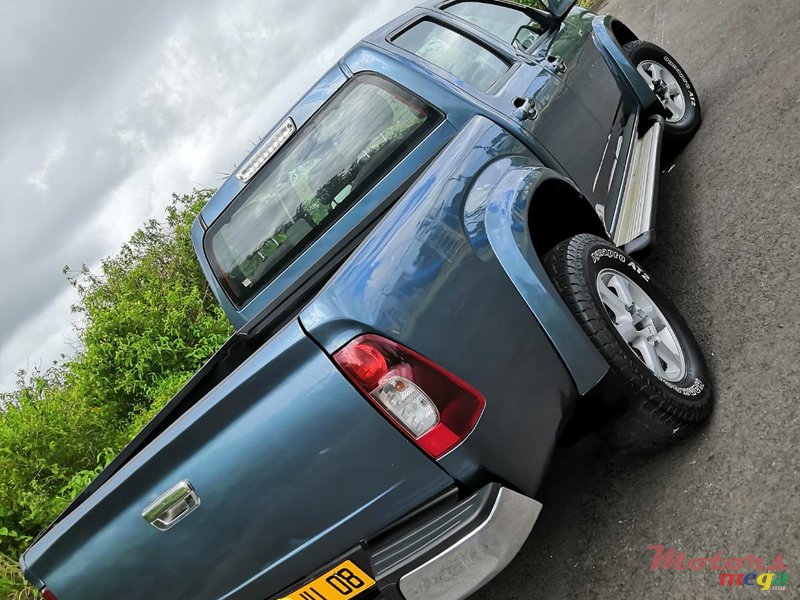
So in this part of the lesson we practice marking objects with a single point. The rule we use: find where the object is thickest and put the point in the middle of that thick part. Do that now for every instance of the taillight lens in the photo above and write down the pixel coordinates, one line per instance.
(433, 407)
(48, 595)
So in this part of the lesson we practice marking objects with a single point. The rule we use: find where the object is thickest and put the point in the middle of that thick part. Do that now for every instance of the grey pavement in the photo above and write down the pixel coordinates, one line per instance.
(727, 253)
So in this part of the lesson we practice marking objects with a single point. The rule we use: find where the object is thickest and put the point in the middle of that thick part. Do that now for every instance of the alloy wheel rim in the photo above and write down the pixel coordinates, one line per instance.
(666, 87)
(642, 325)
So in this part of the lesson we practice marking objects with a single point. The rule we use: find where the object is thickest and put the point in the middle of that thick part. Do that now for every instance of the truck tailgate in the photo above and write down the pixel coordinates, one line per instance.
(291, 465)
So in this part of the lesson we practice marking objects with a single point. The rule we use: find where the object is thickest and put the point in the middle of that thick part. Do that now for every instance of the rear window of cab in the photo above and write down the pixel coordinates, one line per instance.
(451, 51)
(325, 167)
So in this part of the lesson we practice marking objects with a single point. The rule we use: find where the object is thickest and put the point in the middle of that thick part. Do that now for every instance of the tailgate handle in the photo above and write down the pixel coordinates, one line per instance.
(172, 506)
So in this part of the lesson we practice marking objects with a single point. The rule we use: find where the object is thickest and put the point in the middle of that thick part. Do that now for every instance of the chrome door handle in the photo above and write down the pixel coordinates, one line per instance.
(557, 63)
(171, 506)
(525, 108)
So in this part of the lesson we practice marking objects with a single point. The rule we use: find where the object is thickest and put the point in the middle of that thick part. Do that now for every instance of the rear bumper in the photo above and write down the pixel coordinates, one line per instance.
(453, 553)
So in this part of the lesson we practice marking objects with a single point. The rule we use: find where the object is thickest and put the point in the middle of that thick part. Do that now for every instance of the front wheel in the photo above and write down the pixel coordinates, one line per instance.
(671, 85)
(646, 342)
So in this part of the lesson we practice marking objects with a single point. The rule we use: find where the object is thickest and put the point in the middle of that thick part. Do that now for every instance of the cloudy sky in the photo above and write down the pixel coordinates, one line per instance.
(107, 107)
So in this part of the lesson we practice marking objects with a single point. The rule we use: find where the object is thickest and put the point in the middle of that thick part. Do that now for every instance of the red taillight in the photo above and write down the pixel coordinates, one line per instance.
(48, 595)
(363, 362)
(433, 407)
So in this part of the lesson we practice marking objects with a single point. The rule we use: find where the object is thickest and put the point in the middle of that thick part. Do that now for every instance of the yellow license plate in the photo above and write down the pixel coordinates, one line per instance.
(342, 582)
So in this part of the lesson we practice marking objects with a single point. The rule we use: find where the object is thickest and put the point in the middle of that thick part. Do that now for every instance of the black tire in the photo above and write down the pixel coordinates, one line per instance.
(683, 130)
(659, 410)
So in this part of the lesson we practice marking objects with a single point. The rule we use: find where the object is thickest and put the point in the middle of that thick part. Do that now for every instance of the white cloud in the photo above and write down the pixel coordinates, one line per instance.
(38, 179)
(38, 343)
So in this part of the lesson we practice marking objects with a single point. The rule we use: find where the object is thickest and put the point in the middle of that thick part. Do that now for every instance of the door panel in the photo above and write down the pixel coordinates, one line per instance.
(561, 122)
(571, 55)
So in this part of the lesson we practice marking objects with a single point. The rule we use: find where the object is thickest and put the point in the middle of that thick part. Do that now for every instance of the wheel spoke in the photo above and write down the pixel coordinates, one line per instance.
(680, 102)
(650, 312)
(673, 107)
(656, 70)
(613, 302)
(644, 307)
(646, 75)
(622, 288)
(668, 356)
(662, 329)
(628, 331)
(650, 356)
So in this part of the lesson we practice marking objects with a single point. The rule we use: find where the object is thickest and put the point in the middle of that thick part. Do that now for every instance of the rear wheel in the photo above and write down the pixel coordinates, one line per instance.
(671, 85)
(646, 342)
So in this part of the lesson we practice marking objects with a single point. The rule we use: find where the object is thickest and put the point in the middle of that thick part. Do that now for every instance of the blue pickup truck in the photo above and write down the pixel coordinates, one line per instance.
(427, 262)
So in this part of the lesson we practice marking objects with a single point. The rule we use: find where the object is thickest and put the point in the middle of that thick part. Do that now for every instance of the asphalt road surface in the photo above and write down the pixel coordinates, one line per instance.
(727, 253)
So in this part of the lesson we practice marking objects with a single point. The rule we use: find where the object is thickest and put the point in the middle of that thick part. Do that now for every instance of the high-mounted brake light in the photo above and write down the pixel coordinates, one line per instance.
(267, 150)
(433, 407)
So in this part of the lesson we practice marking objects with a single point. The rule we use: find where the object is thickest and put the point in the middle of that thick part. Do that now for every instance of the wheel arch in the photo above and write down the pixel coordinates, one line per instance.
(497, 211)
(622, 33)
(609, 36)
(558, 211)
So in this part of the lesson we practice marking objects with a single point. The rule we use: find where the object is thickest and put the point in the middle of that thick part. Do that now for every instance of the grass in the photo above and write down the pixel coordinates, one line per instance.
(12, 585)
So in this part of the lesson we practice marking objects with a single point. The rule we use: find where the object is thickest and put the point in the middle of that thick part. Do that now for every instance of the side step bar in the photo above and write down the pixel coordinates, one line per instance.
(634, 229)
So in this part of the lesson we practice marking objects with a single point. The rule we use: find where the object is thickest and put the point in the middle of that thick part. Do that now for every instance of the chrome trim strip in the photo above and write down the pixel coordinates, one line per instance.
(602, 162)
(626, 171)
(478, 557)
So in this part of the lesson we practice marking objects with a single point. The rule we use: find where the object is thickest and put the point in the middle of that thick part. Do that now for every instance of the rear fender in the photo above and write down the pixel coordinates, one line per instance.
(450, 275)
(496, 215)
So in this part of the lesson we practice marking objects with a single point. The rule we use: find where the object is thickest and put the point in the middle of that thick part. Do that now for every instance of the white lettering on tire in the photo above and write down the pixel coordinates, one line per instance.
(639, 270)
(609, 253)
(679, 72)
(693, 390)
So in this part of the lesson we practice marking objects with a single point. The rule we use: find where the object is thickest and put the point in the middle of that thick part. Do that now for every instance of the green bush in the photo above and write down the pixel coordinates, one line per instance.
(538, 3)
(146, 321)
(150, 316)
(48, 434)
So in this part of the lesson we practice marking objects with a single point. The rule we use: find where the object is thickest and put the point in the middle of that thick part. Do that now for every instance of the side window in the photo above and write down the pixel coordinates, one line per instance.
(512, 25)
(455, 53)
